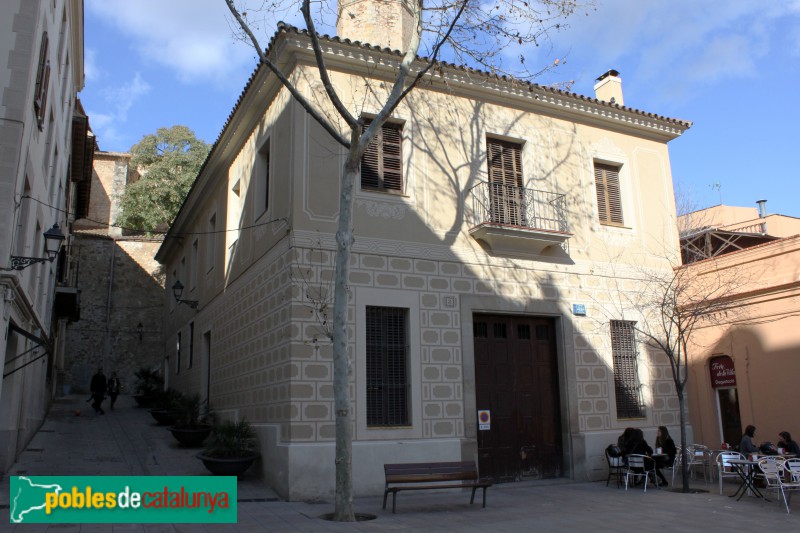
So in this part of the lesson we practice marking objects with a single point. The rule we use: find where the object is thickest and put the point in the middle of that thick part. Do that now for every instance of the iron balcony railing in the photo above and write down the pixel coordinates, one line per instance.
(498, 203)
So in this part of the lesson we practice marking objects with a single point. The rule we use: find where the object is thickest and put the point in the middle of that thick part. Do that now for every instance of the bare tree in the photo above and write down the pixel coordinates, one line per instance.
(666, 307)
(473, 33)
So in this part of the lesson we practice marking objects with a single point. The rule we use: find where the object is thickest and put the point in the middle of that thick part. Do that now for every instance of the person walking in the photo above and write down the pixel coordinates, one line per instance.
(113, 388)
(98, 388)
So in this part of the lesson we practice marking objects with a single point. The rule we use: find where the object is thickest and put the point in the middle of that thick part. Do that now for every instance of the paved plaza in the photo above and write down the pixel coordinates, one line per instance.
(128, 442)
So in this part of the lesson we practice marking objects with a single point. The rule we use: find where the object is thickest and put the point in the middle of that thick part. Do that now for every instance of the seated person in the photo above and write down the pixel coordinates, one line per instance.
(623, 441)
(667, 445)
(788, 444)
(747, 446)
(637, 445)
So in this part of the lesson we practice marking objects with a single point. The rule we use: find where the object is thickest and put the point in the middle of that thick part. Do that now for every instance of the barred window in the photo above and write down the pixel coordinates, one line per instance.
(387, 367)
(626, 377)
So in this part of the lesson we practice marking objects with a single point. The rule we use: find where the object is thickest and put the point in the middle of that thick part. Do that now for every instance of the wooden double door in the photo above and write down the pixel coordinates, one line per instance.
(516, 380)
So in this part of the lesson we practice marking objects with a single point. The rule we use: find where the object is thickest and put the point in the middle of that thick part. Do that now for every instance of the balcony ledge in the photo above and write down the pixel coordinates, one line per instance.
(68, 303)
(505, 239)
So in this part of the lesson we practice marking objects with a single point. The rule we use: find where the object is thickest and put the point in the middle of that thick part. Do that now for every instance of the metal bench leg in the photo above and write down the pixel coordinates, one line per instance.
(385, 493)
(484, 497)
(394, 500)
(472, 498)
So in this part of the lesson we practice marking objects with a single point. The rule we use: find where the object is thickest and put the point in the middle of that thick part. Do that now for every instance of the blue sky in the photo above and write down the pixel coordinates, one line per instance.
(732, 67)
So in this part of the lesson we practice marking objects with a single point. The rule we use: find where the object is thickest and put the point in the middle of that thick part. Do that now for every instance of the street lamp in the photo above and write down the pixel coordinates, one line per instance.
(177, 291)
(52, 244)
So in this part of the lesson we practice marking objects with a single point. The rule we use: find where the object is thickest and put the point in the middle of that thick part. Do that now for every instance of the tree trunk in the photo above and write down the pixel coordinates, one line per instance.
(684, 450)
(343, 511)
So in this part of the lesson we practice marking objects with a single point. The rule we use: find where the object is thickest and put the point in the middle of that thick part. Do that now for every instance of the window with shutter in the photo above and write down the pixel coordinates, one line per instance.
(42, 82)
(505, 182)
(609, 200)
(626, 376)
(387, 366)
(382, 162)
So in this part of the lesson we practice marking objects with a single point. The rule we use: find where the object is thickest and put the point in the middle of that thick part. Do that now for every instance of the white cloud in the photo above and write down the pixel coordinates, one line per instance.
(691, 42)
(192, 37)
(118, 101)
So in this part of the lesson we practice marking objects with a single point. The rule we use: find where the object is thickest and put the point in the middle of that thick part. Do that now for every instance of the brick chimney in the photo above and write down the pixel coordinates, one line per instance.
(608, 87)
(385, 23)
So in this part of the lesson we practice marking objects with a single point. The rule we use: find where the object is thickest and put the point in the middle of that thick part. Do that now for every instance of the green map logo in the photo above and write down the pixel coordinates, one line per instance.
(29, 497)
(122, 500)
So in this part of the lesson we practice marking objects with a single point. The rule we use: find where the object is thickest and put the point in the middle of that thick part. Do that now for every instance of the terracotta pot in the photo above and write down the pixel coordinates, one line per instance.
(228, 466)
(191, 436)
(165, 418)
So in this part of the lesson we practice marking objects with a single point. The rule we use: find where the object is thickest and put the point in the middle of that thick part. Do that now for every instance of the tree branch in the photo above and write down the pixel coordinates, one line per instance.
(323, 70)
(338, 137)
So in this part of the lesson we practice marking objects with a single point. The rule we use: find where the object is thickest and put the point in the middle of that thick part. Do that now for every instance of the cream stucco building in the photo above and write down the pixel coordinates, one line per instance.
(494, 222)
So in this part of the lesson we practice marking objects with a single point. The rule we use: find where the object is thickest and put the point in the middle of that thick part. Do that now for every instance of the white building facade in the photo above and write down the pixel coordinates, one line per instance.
(41, 72)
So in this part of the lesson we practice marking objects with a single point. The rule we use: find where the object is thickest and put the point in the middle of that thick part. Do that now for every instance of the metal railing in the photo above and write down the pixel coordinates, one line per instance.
(498, 203)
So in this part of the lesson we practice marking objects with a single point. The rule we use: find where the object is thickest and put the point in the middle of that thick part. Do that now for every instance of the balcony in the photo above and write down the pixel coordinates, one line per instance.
(513, 220)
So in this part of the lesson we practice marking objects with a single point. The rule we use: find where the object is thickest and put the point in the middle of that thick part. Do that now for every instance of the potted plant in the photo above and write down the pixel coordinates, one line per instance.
(167, 407)
(148, 386)
(231, 450)
(192, 427)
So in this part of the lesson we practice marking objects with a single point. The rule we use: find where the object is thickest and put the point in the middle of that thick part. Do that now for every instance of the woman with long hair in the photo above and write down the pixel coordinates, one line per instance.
(747, 446)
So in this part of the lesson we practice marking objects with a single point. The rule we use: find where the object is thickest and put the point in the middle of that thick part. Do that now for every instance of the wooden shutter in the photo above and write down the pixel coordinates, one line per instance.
(609, 199)
(626, 377)
(382, 162)
(42, 81)
(387, 366)
(505, 181)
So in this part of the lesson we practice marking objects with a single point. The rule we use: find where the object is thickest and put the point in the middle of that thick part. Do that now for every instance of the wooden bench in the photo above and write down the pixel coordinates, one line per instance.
(424, 476)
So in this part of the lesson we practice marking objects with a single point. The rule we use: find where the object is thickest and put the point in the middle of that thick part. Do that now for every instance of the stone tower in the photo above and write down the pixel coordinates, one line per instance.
(385, 23)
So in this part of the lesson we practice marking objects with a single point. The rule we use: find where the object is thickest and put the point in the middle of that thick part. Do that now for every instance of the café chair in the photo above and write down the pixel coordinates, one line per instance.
(676, 465)
(638, 467)
(699, 456)
(724, 467)
(616, 468)
(771, 471)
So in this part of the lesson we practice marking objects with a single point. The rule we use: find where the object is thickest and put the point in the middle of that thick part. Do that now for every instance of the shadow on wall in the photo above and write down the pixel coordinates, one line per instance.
(766, 383)
(121, 287)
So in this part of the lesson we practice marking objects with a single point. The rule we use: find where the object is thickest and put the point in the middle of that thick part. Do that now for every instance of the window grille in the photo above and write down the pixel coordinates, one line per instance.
(626, 377)
(387, 367)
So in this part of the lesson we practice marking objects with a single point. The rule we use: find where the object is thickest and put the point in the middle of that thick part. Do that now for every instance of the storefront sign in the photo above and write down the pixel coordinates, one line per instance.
(723, 373)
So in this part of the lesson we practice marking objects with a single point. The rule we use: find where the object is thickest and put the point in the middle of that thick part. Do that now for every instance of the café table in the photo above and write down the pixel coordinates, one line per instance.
(746, 469)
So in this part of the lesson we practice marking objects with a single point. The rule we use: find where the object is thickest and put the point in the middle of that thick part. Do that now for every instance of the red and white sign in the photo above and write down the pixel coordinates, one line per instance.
(484, 420)
(723, 374)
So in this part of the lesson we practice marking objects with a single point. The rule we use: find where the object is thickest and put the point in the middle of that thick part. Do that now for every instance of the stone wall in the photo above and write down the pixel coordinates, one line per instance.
(115, 297)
